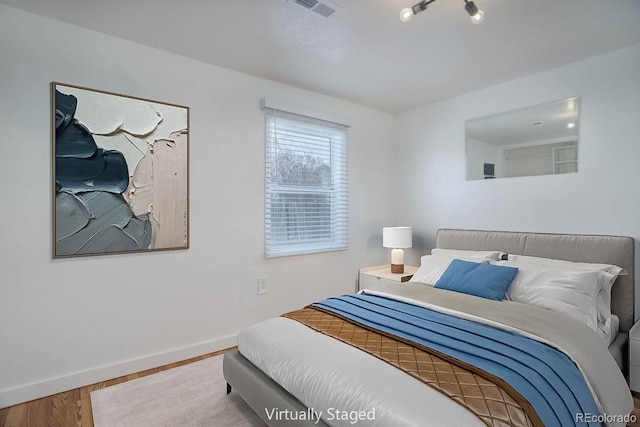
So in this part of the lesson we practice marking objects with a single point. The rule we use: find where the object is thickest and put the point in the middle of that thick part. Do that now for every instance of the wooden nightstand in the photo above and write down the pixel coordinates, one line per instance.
(374, 277)
(634, 357)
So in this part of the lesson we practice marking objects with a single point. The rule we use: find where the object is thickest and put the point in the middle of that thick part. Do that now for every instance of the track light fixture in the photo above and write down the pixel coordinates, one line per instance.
(475, 14)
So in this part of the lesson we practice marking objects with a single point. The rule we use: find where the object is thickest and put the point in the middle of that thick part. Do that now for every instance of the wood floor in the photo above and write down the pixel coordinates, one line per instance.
(636, 411)
(73, 408)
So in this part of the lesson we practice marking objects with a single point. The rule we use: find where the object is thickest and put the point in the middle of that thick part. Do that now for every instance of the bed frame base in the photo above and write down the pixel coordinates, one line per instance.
(260, 392)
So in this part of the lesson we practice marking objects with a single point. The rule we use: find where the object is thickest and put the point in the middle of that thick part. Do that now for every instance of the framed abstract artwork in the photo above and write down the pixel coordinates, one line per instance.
(120, 173)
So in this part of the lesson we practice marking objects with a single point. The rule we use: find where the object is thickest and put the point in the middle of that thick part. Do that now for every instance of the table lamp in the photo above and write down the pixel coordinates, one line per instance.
(396, 238)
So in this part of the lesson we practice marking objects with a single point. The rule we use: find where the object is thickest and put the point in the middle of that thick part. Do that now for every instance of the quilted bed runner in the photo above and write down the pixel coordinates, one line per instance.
(502, 377)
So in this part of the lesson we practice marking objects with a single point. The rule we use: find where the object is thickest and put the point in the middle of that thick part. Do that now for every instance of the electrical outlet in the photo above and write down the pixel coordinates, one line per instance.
(262, 286)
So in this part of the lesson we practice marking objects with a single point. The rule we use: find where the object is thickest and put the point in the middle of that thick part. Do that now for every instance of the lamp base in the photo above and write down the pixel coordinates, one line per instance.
(397, 268)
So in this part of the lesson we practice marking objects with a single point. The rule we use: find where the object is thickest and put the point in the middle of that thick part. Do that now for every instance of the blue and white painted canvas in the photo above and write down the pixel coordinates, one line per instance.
(121, 173)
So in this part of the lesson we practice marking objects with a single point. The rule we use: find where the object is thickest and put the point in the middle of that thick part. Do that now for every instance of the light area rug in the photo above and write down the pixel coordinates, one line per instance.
(189, 395)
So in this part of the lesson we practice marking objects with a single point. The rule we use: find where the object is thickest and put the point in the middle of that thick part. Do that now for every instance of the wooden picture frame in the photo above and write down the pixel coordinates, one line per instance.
(120, 173)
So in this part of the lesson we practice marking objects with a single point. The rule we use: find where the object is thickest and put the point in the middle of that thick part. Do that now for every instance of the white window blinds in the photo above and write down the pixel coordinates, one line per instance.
(306, 185)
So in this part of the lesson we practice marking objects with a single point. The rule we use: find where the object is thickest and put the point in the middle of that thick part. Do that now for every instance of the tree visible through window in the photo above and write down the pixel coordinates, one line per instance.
(306, 191)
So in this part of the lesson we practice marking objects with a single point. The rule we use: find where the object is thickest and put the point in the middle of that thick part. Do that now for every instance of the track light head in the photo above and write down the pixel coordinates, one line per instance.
(476, 15)
(406, 14)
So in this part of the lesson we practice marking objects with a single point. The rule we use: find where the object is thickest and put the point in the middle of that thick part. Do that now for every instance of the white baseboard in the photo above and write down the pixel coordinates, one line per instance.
(24, 393)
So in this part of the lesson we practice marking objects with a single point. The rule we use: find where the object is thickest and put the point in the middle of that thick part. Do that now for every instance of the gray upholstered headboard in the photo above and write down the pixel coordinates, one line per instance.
(571, 247)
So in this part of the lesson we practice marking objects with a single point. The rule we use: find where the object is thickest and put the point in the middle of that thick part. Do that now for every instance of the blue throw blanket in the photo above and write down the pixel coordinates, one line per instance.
(543, 375)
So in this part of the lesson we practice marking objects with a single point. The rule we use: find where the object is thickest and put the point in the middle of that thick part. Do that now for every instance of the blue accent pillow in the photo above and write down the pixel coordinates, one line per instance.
(482, 280)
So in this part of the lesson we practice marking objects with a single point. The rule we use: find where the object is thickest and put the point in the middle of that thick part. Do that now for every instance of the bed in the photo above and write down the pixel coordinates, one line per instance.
(290, 374)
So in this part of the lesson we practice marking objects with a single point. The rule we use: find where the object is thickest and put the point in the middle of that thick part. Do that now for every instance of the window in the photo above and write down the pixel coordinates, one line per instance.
(306, 185)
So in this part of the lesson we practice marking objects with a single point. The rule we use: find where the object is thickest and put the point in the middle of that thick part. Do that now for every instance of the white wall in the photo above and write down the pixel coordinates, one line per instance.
(65, 323)
(602, 198)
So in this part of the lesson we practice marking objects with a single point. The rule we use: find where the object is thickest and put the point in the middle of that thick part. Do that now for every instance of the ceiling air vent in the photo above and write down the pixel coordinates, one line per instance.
(309, 4)
(321, 7)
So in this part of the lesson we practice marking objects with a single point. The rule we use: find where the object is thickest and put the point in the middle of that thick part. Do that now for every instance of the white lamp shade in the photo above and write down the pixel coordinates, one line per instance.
(396, 237)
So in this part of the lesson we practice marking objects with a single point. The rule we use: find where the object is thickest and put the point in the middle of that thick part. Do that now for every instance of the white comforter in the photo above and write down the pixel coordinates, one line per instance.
(344, 384)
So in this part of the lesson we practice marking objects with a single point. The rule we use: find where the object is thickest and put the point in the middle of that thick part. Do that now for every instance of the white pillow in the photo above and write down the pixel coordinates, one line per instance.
(433, 266)
(575, 292)
(614, 269)
(456, 253)
(604, 296)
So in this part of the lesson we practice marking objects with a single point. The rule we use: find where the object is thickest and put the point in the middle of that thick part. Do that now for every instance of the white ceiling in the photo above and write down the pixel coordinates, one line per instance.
(364, 53)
